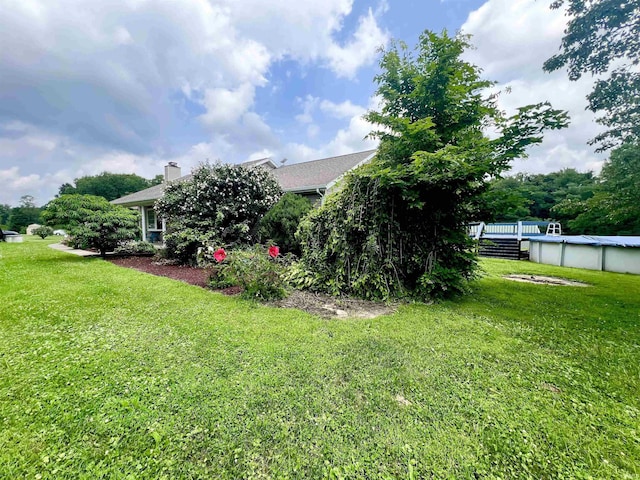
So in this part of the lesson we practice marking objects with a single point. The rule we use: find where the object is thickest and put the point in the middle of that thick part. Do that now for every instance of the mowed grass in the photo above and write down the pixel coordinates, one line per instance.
(107, 372)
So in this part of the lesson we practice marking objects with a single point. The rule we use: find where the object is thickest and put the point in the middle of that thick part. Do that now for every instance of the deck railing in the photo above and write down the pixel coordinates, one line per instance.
(520, 230)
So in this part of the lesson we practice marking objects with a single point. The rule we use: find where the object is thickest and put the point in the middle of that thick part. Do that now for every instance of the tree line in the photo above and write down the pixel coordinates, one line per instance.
(106, 185)
(584, 203)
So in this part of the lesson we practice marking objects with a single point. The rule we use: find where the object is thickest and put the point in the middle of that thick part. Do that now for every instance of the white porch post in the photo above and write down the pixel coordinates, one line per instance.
(143, 218)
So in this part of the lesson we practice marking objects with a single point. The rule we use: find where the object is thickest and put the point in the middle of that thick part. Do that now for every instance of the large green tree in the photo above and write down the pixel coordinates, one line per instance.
(615, 207)
(603, 38)
(92, 221)
(108, 185)
(398, 225)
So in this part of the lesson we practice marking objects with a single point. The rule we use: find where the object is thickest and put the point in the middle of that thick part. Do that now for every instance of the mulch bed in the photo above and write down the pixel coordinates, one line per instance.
(191, 275)
(319, 304)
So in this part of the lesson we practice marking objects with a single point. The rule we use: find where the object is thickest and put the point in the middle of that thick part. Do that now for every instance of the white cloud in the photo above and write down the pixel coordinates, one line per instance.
(344, 109)
(87, 87)
(305, 31)
(361, 50)
(226, 106)
(260, 154)
(309, 104)
(351, 138)
(16, 184)
(513, 38)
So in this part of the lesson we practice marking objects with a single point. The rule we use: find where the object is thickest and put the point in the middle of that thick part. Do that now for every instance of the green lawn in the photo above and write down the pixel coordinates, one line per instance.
(111, 373)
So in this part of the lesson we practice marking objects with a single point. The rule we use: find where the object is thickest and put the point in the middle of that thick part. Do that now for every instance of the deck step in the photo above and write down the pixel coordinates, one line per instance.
(508, 248)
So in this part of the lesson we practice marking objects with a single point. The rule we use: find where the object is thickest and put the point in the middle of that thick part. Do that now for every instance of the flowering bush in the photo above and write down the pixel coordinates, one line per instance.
(220, 204)
(259, 271)
(220, 255)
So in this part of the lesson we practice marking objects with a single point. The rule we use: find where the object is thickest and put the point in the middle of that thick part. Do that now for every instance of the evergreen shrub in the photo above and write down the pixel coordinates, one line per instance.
(280, 223)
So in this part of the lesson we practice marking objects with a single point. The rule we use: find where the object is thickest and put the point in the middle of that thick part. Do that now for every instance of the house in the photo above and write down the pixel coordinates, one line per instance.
(311, 179)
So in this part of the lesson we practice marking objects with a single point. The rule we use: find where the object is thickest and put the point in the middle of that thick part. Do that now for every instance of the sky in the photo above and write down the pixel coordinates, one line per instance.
(128, 86)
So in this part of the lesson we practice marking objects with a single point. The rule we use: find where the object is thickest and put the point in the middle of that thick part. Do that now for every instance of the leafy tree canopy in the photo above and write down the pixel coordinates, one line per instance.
(398, 225)
(603, 38)
(5, 211)
(614, 209)
(92, 221)
(24, 215)
(532, 197)
(108, 185)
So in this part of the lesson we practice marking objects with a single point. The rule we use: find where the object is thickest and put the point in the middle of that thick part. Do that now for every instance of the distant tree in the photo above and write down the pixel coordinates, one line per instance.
(603, 38)
(157, 180)
(107, 185)
(66, 189)
(43, 231)
(5, 211)
(24, 215)
(27, 201)
(505, 201)
(92, 221)
(533, 197)
(280, 223)
(615, 207)
(547, 190)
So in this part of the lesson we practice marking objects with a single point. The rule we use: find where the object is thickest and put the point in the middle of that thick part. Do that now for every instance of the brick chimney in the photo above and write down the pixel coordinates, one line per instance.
(171, 172)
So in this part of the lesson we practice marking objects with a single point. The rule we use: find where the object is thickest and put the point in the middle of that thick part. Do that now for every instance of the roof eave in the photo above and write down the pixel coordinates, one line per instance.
(308, 188)
(359, 164)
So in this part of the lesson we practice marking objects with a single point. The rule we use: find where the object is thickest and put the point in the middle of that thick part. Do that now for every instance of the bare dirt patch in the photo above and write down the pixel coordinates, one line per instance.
(550, 387)
(402, 401)
(541, 280)
(327, 306)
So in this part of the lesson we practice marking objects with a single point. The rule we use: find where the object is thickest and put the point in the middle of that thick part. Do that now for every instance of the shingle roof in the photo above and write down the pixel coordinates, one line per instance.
(260, 161)
(297, 177)
(318, 173)
(146, 196)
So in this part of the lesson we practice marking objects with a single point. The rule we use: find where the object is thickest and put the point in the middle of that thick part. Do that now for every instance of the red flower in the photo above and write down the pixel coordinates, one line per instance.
(274, 251)
(220, 255)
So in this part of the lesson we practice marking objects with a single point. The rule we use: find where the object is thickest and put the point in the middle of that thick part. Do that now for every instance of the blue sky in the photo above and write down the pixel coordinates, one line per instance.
(127, 86)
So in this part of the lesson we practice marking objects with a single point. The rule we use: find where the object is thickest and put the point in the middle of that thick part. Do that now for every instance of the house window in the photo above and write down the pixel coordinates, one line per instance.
(153, 222)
